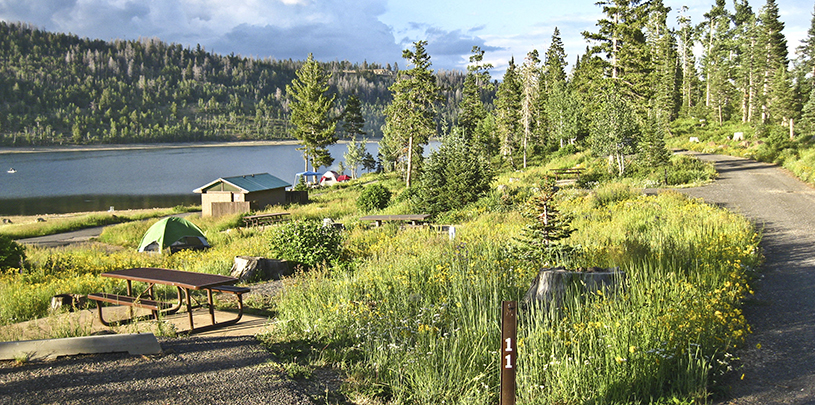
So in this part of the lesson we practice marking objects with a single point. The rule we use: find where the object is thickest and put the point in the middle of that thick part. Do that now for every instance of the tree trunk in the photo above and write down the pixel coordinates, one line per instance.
(409, 161)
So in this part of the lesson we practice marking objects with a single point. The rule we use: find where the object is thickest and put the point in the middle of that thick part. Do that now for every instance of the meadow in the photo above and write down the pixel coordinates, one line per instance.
(412, 316)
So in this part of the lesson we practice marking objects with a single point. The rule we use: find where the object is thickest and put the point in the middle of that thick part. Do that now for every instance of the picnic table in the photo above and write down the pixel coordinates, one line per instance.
(265, 219)
(184, 281)
(569, 172)
(414, 219)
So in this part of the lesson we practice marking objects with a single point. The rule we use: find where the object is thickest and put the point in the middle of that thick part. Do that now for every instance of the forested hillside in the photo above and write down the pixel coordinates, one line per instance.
(58, 89)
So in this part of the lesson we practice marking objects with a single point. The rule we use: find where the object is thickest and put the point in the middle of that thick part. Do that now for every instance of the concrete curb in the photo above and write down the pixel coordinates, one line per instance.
(134, 343)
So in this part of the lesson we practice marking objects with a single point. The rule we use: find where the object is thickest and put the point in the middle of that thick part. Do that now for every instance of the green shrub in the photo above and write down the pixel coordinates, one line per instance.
(307, 242)
(12, 253)
(373, 197)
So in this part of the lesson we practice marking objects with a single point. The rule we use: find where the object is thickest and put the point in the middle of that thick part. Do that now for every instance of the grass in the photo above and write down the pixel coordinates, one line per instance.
(419, 315)
(67, 223)
(410, 316)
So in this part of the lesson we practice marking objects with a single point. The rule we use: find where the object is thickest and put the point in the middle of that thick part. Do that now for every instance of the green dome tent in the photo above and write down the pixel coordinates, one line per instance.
(173, 233)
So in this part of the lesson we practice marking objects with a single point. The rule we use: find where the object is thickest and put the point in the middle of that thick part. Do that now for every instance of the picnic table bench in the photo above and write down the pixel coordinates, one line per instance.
(184, 281)
(574, 172)
(265, 219)
(414, 219)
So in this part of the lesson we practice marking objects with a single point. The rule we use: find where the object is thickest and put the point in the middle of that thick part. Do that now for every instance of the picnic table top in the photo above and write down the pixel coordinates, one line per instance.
(184, 279)
(273, 214)
(408, 217)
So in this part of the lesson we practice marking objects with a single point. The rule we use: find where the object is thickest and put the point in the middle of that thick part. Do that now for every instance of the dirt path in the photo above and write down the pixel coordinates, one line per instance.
(778, 364)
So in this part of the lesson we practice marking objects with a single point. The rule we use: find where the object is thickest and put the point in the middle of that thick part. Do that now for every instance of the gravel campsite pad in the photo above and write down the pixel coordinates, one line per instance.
(221, 370)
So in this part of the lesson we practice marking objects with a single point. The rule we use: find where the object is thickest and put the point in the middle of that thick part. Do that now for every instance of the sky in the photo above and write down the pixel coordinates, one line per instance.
(356, 30)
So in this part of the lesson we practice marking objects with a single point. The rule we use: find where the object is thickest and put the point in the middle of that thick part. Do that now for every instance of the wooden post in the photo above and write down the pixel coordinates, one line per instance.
(509, 350)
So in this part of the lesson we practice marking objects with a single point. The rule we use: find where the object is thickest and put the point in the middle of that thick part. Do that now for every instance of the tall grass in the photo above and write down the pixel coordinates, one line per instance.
(418, 316)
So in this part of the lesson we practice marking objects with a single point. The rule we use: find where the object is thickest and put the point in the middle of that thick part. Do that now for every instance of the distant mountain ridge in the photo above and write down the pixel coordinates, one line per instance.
(59, 89)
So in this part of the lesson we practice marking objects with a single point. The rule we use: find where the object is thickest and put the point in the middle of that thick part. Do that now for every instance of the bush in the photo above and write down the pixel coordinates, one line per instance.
(12, 253)
(307, 242)
(373, 197)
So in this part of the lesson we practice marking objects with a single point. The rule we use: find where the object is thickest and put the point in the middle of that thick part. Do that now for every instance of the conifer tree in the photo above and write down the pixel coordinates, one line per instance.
(806, 53)
(471, 106)
(353, 121)
(540, 239)
(529, 96)
(687, 38)
(620, 36)
(554, 65)
(665, 74)
(507, 111)
(772, 48)
(310, 109)
(410, 117)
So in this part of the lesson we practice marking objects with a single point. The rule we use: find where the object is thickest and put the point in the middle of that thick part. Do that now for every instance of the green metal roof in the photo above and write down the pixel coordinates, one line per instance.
(249, 183)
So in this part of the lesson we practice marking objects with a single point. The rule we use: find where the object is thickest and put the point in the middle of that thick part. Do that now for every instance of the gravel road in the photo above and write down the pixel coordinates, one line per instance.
(778, 363)
(225, 370)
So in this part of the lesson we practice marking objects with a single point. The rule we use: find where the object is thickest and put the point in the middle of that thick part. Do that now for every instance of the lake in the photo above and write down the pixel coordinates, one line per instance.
(78, 181)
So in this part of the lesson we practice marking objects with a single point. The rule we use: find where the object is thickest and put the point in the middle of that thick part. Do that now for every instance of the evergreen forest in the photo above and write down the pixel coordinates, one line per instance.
(638, 82)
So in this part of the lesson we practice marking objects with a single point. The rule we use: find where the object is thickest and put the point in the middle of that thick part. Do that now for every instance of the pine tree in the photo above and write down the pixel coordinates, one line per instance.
(621, 38)
(471, 107)
(410, 117)
(549, 226)
(310, 109)
(353, 121)
(529, 96)
(652, 150)
(772, 46)
(744, 39)
(806, 125)
(554, 65)
(687, 39)
(806, 63)
(665, 74)
(507, 111)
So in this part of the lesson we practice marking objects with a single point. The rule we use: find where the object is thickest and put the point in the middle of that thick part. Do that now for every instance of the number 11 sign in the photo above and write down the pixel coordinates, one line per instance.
(509, 350)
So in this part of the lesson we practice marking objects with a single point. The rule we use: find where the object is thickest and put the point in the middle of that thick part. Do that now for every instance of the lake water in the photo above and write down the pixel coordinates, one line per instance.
(74, 181)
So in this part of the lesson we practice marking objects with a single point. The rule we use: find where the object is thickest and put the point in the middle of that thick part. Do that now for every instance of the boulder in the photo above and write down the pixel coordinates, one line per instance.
(552, 284)
(250, 269)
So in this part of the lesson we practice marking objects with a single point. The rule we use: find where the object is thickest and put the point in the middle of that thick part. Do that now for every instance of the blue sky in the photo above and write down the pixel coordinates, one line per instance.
(355, 30)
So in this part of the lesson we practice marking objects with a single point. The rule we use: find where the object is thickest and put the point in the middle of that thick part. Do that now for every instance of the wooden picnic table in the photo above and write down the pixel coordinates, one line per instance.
(264, 219)
(569, 172)
(414, 219)
(184, 281)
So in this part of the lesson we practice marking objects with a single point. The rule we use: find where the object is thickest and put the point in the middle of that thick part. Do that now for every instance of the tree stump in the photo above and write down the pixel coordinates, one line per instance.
(250, 269)
(552, 285)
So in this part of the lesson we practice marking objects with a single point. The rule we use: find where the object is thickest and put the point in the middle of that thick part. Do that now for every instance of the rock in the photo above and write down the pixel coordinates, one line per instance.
(250, 269)
(69, 301)
(551, 284)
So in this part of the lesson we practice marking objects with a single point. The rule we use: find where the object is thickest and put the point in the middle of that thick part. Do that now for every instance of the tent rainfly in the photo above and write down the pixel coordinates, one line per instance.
(173, 233)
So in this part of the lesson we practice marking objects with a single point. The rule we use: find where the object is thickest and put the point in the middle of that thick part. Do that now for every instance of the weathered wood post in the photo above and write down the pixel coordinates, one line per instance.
(509, 350)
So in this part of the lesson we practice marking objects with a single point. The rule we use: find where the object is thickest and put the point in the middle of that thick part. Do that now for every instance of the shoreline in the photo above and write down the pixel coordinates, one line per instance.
(140, 146)
(146, 146)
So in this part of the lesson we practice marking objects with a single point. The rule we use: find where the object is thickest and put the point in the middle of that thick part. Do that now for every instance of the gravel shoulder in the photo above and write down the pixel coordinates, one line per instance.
(777, 365)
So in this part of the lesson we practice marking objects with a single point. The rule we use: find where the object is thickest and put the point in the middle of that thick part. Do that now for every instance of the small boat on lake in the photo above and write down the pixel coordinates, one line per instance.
(12, 170)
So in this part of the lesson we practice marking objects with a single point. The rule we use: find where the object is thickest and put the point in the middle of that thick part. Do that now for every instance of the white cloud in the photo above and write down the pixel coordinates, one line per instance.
(278, 28)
